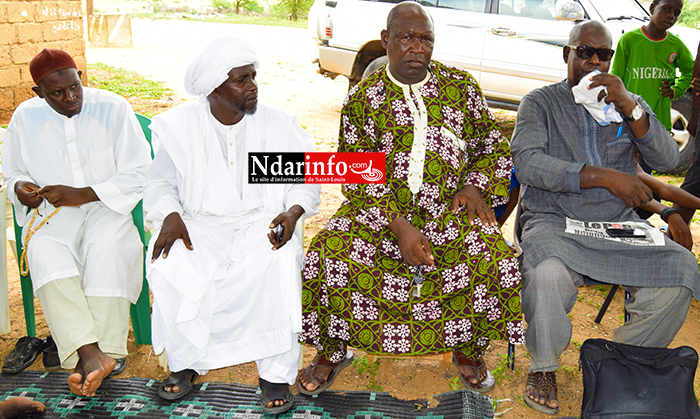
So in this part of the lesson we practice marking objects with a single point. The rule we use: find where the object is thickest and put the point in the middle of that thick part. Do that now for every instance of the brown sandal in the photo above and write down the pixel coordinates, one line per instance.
(545, 384)
(312, 371)
(477, 366)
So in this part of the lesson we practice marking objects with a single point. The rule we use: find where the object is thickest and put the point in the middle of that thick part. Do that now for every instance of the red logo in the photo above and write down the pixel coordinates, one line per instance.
(316, 167)
(345, 167)
(672, 57)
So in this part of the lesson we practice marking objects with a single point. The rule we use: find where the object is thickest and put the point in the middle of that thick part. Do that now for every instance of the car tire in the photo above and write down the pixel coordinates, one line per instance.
(680, 116)
(374, 65)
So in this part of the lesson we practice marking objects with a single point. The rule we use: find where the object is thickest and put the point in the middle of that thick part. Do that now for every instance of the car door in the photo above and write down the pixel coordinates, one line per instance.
(523, 45)
(459, 33)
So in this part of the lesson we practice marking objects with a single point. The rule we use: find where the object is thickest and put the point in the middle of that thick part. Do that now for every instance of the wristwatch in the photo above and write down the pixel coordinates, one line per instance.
(636, 115)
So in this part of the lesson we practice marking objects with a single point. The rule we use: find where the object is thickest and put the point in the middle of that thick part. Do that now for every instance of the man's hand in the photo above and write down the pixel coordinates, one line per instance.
(289, 220)
(173, 229)
(616, 93)
(666, 89)
(28, 194)
(67, 196)
(627, 187)
(414, 246)
(679, 231)
(470, 196)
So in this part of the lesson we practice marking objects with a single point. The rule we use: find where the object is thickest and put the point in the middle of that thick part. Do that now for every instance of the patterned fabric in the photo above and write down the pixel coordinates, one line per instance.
(137, 398)
(356, 287)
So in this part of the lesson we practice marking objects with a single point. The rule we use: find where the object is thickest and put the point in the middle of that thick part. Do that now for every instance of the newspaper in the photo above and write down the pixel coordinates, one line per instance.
(651, 235)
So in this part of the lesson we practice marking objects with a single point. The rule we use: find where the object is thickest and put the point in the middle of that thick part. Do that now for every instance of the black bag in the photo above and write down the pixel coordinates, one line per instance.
(626, 381)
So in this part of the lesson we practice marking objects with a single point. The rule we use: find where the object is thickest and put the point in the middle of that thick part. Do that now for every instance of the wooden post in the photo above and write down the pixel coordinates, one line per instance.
(89, 7)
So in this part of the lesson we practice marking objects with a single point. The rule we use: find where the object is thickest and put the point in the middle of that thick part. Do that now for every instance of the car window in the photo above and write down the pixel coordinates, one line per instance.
(621, 9)
(428, 3)
(468, 5)
(541, 9)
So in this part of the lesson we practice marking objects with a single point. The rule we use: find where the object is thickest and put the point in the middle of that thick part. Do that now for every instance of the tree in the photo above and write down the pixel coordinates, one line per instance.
(296, 8)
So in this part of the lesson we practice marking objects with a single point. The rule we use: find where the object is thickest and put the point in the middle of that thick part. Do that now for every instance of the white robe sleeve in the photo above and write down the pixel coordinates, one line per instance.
(14, 170)
(160, 193)
(123, 191)
(308, 196)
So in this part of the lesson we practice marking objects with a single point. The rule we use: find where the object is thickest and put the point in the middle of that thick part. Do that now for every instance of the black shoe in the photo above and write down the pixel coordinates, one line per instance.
(24, 354)
(49, 355)
(119, 368)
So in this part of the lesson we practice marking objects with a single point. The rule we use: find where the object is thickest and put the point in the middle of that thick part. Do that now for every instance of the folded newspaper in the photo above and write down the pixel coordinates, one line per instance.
(648, 235)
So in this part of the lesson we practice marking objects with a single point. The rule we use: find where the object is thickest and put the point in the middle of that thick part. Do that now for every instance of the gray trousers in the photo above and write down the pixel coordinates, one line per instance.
(549, 293)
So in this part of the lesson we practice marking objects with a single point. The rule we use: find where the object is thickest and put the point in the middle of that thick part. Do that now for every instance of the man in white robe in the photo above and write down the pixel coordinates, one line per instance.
(78, 156)
(227, 292)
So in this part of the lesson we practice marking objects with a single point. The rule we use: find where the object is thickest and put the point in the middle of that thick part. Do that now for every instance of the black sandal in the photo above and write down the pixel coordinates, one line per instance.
(23, 355)
(269, 392)
(49, 355)
(183, 379)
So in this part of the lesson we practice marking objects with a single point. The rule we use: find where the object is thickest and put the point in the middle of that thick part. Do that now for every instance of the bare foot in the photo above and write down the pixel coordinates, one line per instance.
(20, 406)
(96, 367)
(75, 380)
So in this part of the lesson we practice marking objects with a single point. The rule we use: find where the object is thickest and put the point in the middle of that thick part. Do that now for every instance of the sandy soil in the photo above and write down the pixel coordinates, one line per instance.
(294, 85)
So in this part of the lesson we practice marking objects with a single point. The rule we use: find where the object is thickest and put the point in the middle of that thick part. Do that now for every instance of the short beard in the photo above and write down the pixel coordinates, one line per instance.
(247, 111)
(244, 108)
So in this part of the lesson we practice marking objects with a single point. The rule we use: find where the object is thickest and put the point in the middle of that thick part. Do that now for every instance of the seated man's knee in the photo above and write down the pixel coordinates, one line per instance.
(548, 283)
(551, 274)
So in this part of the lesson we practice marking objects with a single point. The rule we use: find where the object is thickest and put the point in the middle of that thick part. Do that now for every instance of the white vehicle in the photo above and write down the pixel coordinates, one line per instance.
(510, 46)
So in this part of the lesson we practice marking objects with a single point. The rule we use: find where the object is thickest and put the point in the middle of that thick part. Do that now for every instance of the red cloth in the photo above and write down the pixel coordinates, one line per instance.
(48, 61)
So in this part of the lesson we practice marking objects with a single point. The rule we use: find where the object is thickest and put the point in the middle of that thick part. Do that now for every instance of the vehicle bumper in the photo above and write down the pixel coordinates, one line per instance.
(336, 60)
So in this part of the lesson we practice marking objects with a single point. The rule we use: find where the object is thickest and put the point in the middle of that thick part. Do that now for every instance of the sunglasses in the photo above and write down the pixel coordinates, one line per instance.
(585, 52)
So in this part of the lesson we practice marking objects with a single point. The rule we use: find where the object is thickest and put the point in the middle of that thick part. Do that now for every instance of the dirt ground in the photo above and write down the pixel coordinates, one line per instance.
(412, 378)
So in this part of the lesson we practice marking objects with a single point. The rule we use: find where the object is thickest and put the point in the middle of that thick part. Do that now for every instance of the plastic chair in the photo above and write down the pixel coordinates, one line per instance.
(140, 312)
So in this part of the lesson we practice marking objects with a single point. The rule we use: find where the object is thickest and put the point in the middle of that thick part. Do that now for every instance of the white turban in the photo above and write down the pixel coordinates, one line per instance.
(211, 67)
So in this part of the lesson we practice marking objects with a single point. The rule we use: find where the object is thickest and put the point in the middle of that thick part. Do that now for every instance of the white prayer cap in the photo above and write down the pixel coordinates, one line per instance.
(210, 68)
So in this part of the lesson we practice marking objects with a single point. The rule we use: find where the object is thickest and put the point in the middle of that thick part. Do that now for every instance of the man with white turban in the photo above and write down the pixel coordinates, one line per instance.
(222, 295)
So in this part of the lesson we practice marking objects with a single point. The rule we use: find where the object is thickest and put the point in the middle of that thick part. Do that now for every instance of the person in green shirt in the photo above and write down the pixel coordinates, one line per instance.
(646, 60)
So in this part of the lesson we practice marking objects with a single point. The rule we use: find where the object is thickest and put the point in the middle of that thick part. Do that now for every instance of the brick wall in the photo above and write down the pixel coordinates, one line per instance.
(27, 27)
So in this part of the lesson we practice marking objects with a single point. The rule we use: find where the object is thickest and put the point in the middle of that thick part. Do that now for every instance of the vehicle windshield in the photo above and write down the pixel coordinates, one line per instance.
(620, 10)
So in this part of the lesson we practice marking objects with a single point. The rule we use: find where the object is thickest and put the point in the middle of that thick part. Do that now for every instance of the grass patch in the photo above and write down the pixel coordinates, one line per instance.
(455, 384)
(126, 83)
(572, 371)
(230, 18)
(363, 365)
(502, 371)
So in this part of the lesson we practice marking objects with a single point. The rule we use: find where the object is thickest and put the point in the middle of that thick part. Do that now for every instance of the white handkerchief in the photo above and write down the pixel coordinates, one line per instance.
(602, 112)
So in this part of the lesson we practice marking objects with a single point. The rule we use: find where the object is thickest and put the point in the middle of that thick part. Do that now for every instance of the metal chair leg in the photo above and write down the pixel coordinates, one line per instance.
(606, 303)
(510, 361)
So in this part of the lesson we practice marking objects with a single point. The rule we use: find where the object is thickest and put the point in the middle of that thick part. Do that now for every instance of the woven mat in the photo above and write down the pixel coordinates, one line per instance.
(138, 398)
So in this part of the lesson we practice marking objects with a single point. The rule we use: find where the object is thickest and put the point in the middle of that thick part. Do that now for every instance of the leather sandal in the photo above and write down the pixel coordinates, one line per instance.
(275, 391)
(183, 379)
(318, 363)
(119, 367)
(545, 383)
(49, 356)
(23, 355)
(478, 366)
